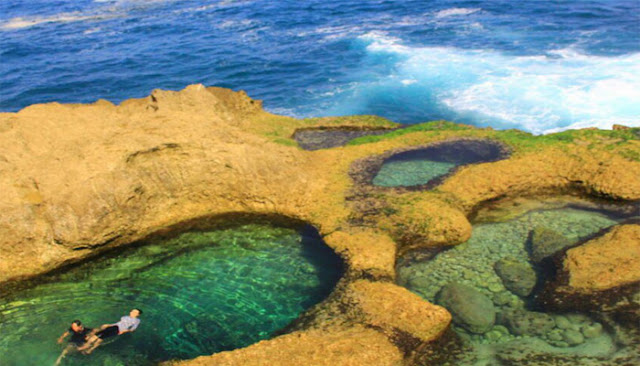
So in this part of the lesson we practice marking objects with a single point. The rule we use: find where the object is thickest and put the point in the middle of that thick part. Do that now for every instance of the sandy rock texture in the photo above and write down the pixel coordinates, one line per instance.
(602, 275)
(79, 179)
(610, 261)
(328, 347)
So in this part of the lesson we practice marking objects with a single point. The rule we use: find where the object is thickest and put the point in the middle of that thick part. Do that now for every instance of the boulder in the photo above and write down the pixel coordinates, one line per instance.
(470, 308)
(522, 322)
(545, 242)
(517, 277)
(609, 261)
(600, 275)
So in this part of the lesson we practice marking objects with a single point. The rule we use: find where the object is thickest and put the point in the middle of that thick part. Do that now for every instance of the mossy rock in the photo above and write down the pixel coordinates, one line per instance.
(469, 308)
(518, 277)
(522, 322)
(545, 242)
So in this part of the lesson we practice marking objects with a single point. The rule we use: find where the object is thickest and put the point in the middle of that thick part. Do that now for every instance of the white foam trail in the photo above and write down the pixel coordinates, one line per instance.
(20, 23)
(456, 12)
(540, 94)
(111, 9)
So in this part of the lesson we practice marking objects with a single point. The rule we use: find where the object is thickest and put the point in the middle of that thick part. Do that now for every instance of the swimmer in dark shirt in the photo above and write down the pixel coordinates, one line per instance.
(79, 335)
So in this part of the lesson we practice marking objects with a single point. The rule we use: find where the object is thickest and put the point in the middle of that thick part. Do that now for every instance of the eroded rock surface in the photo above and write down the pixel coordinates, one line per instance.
(79, 179)
(600, 275)
(610, 261)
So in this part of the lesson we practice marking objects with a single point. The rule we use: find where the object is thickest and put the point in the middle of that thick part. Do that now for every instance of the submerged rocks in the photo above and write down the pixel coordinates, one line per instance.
(518, 277)
(470, 308)
(522, 322)
(545, 242)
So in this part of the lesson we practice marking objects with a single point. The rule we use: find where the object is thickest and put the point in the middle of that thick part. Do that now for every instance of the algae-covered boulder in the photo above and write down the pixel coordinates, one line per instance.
(470, 308)
(545, 242)
(522, 322)
(517, 277)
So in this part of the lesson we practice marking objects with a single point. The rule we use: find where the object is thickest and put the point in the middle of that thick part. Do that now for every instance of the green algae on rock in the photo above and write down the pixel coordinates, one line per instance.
(470, 308)
(545, 242)
(517, 276)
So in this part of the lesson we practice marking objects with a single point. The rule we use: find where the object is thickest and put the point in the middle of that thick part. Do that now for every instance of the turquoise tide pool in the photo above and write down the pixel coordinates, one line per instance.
(201, 292)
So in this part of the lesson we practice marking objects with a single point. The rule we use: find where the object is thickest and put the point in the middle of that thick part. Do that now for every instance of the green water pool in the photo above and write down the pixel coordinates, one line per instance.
(426, 166)
(201, 292)
(467, 274)
(411, 172)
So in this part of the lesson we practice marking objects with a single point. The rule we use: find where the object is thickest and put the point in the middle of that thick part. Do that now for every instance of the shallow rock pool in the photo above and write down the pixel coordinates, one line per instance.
(201, 292)
(427, 166)
(489, 284)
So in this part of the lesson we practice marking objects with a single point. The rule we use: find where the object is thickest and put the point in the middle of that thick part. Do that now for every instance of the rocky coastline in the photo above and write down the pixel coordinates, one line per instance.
(79, 180)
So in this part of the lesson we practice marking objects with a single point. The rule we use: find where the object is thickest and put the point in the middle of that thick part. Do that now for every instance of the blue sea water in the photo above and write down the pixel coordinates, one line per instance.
(540, 66)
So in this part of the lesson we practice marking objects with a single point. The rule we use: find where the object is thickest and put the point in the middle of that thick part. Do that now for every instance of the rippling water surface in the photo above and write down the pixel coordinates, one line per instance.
(535, 65)
(200, 293)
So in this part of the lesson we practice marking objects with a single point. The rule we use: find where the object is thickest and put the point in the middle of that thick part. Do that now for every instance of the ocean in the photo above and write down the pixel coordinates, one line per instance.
(540, 66)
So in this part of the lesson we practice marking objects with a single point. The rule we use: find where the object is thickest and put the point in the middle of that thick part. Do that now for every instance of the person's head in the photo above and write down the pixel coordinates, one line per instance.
(135, 312)
(77, 326)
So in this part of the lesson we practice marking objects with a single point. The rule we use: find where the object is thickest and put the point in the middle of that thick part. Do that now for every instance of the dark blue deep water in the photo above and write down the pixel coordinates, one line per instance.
(534, 65)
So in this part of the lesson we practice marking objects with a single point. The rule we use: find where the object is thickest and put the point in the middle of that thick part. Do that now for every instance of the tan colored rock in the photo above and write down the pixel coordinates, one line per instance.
(607, 262)
(349, 347)
(366, 252)
(78, 179)
(84, 177)
(392, 308)
(552, 170)
(422, 219)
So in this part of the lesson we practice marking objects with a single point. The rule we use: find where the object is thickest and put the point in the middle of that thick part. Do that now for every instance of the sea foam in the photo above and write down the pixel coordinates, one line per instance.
(541, 93)
(456, 12)
(26, 22)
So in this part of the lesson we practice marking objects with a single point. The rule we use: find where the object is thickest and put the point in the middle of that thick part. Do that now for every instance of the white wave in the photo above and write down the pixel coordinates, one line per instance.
(92, 30)
(111, 9)
(20, 23)
(381, 42)
(456, 12)
(540, 94)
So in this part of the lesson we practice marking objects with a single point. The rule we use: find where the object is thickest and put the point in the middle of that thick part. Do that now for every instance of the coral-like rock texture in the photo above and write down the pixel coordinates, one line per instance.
(77, 180)
(610, 261)
(600, 275)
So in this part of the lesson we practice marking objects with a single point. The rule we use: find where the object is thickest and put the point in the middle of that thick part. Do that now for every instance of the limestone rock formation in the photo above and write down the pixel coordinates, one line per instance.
(610, 261)
(600, 275)
(330, 347)
(77, 180)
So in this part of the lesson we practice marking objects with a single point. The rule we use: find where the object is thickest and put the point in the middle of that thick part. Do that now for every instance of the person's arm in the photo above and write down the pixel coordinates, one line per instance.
(63, 336)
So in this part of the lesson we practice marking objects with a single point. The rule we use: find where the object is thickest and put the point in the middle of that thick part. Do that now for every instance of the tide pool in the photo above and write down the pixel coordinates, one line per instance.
(201, 292)
(473, 279)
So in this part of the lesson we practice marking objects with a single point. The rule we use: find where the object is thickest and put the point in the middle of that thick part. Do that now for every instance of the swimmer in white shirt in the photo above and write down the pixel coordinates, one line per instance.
(126, 324)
